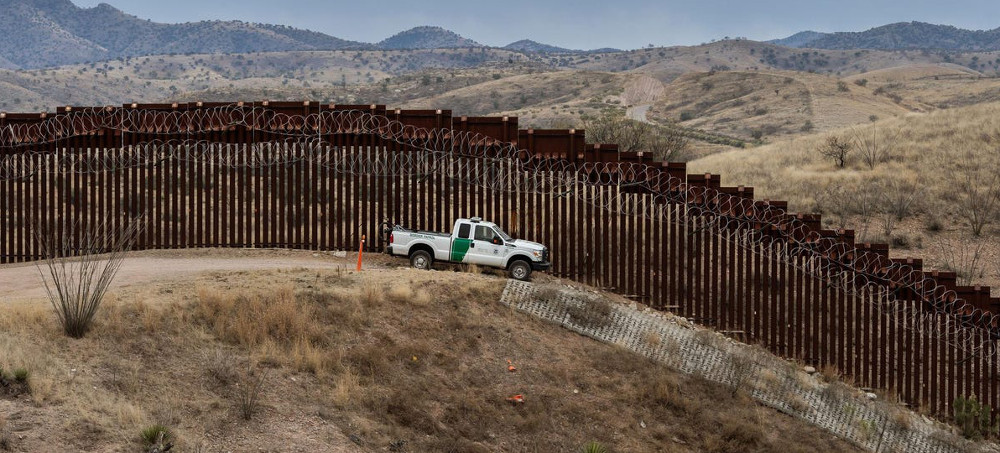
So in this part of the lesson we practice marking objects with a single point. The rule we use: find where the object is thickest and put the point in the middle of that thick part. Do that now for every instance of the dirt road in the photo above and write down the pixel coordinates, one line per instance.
(22, 282)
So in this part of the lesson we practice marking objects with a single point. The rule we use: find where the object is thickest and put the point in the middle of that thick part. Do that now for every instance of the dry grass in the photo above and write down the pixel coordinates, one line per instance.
(926, 150)
(830, 373)
(376, 361)
(773, 104)
(651, 339)
(594, 313)
(6, 436)
(931, 158)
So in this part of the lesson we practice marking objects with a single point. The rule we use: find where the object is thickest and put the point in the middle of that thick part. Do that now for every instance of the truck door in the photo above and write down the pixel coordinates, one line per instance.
(460, 243)
(487, 247)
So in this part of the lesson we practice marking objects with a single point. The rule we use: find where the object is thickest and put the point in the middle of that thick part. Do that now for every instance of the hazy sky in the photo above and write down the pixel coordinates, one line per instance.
(582, 24)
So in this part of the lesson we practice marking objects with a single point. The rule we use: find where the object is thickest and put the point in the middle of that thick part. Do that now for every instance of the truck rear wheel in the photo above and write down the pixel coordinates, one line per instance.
(519, 270)
(421, 260)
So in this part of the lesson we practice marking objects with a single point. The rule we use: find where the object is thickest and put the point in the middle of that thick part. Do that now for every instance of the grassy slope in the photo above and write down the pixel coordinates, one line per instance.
(779, 103)
(932, 156)
(388, 358)
(548, 99)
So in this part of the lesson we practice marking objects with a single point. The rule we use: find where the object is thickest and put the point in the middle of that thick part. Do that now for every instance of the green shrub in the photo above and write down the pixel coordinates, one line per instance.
(155, 435)
(21, 375)
(687, 115)
(973, 418)
(594, 447)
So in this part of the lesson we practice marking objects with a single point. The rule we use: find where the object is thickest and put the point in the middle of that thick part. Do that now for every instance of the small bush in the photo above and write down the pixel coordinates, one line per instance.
(222, 367)
(709, 338)
(593, 314)
(973, 418)
(842, 87)
(687, 115)
(156, 435)
(807, 126)
(547, 294)
(744, 370)
(933, 223)
(21, 375)
(371, 293)
(861, 82)
(248, 391)
(901, 241)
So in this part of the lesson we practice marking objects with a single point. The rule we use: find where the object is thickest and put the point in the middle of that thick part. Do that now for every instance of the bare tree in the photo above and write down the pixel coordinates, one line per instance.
(978, 191)
(666, 144)
(837, 200)
(874, 144)
(866, 203)
(966, 256)
(611, 127)
(898, 198)
(836, 148)
(80, 270)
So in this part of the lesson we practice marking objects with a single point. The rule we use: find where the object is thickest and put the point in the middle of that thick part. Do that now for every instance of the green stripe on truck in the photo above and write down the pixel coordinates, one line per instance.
(459, 247)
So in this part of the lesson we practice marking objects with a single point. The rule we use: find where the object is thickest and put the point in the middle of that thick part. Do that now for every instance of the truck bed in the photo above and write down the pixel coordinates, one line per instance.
(425, 233)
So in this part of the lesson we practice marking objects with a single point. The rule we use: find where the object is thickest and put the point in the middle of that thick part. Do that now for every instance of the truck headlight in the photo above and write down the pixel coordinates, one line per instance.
(537, 254)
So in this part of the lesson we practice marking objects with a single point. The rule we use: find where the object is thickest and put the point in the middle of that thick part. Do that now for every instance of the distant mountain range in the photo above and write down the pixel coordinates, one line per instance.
(43, 33)
(902, 35)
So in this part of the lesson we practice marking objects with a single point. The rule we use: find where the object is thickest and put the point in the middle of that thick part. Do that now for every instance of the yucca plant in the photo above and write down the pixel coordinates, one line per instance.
(155, 435)
(21, 375)
(594, 447)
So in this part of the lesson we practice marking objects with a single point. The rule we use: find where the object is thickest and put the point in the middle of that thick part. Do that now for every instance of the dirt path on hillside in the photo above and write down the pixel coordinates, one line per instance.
(21, 283)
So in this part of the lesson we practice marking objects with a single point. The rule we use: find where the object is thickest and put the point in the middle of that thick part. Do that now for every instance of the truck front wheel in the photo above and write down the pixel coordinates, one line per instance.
(519, 270)
(421, 260)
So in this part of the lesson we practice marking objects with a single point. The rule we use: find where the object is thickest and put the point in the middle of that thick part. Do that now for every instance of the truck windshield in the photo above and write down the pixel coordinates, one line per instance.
(506, 237)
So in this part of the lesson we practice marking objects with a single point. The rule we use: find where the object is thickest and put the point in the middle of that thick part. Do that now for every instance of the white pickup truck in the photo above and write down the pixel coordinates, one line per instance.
(472, 241)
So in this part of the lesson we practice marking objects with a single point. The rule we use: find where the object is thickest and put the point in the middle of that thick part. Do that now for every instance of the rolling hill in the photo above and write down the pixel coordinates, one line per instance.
(901, 35)
(426, 37)
(57, 32)
(527, 45)
(800, 39)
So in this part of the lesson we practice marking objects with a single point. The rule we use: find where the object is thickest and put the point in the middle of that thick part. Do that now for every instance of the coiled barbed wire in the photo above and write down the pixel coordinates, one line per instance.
(480, 160)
